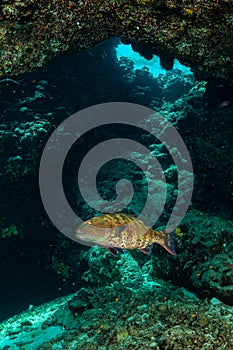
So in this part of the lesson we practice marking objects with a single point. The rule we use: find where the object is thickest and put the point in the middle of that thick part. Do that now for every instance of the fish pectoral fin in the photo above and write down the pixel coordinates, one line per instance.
(120, 250)
(114, 251)
(147, 250)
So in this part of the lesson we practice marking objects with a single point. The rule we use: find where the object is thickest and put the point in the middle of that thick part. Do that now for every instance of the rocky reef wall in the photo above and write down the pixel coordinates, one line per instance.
(198, 33)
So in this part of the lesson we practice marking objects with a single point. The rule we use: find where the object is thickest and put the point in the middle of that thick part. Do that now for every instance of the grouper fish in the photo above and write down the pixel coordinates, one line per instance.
(117, 232)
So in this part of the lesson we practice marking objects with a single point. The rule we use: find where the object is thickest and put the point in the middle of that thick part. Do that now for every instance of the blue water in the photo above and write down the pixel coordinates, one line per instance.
(153, 65)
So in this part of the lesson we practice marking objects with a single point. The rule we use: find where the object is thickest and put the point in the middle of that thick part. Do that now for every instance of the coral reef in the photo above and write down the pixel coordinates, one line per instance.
(130, 301)
(103, 270)
(35, 103)
(116, 317)
(204, 261)
(197, 33)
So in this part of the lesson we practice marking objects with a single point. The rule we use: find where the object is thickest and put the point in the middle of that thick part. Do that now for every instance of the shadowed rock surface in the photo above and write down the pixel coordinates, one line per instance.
(198, 33)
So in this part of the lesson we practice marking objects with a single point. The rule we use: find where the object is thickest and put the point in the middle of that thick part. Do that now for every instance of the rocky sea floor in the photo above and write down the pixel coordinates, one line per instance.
(132, 301)
(157, 316)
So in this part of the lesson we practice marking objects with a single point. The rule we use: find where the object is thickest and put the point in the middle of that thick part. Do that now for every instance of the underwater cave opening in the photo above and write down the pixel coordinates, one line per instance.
(45, 97)
(153, 64)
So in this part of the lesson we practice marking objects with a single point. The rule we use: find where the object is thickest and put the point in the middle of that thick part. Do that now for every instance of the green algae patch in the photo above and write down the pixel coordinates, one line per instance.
(9, 231)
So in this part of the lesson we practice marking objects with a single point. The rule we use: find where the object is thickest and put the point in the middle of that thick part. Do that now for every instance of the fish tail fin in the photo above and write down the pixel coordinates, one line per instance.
(168, 242)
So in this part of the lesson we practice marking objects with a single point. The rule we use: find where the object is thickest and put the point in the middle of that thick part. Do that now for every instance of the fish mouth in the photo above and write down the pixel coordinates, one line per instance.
(90, 237)
(84, 236)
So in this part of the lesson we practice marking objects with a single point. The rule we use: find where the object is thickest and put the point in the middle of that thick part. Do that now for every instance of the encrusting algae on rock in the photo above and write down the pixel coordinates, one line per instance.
(198, 33)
